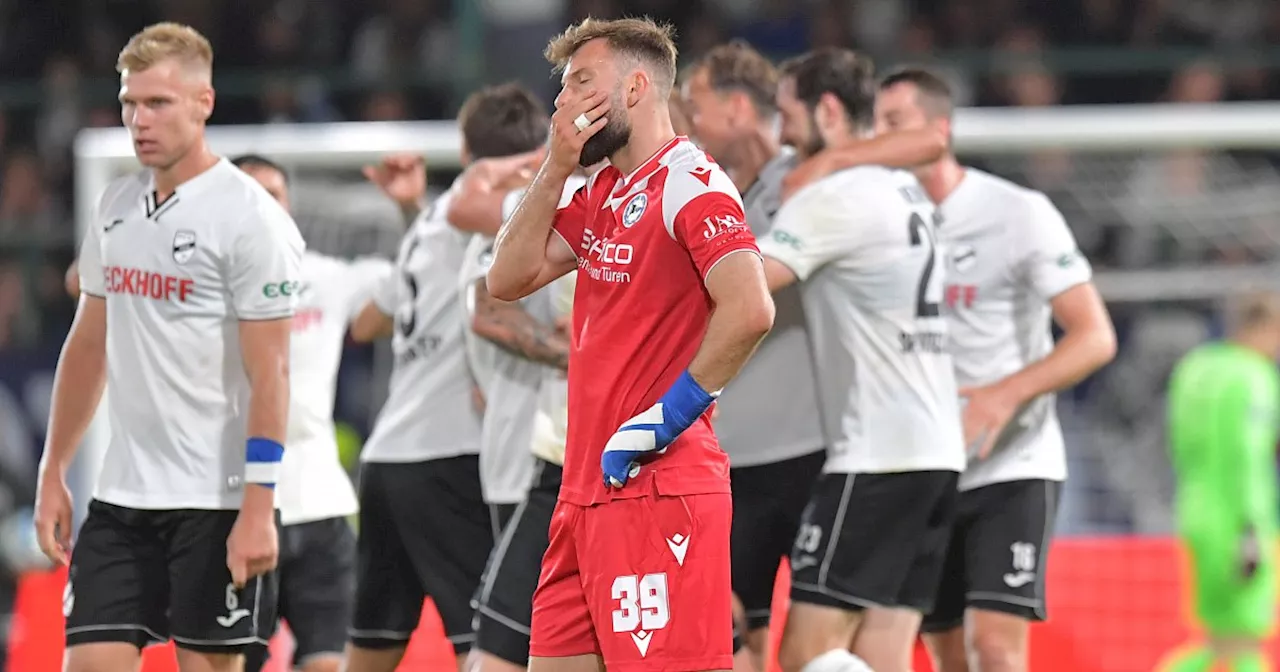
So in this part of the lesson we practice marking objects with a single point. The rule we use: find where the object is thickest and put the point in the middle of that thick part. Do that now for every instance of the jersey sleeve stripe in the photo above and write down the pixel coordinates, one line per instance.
(724, 256)
(791, 264)
(268, 317)
(1069, 286)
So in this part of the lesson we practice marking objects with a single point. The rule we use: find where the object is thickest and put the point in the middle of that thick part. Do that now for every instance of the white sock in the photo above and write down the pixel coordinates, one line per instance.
(837, 660)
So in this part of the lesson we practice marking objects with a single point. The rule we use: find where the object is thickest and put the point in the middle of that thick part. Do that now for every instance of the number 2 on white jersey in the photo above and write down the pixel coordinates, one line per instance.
(921, 234)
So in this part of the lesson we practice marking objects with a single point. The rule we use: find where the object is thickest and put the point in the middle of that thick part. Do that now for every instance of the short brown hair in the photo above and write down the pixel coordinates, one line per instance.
(737, 66)
(845, 74)
(641, 39)
(163, 41)
(1251, 309)
(503, 120)
(934, 92)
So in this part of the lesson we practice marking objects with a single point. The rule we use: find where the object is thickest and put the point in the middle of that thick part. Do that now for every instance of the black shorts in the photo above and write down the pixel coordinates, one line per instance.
(996, 558)
(874, 540)
(768, 500)
(500, 515)
(144, 577)
(425, 531)
(505, 603)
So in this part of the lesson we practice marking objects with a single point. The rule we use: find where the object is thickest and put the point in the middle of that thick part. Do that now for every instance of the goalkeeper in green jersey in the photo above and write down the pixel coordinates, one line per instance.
(1224, 405)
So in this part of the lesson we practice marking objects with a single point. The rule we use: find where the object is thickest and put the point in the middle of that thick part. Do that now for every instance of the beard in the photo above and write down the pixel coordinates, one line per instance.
(813, 143)
(609, 140)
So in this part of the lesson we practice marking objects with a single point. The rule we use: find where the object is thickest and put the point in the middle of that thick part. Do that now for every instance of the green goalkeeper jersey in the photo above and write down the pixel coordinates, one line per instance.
(1223, 413)
(1224, 405)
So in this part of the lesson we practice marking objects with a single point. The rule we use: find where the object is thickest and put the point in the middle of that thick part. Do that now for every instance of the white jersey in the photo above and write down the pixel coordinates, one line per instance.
(551, 421)
(178, 277)
(510, 383)
(862, 242)
(429, 413)
(510, 387)
(1009, 252)
(314, 485)
(755, 424)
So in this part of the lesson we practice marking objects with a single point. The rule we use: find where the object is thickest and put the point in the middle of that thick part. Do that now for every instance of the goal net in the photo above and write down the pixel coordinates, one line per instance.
(1177, 206)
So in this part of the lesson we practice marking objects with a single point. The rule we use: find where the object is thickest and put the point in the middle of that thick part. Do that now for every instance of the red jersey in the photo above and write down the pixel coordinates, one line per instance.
(645, 243)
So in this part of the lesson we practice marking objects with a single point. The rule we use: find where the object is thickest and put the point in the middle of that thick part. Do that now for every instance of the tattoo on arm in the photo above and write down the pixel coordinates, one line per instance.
(510, 327)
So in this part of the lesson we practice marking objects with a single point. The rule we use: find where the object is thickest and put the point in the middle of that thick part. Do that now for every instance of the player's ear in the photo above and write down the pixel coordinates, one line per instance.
(833, 110)
(944, 125)
(204, 102)
(637, 84)
(822, 112)
(739, 107)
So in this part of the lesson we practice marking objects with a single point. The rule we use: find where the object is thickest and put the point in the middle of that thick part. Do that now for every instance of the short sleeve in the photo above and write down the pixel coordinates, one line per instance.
(265, 266)
(712, 226)
(478, 259)
(811, 230)
(386, 293)
(571, 218)
(89, 264)
(364, 278)
(1051, 261)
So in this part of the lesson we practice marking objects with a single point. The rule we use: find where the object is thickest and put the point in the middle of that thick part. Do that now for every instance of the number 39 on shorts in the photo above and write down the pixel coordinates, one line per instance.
(642, 603)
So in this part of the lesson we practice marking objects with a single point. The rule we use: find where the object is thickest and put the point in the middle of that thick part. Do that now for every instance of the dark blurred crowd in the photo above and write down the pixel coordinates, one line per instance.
(282, 61)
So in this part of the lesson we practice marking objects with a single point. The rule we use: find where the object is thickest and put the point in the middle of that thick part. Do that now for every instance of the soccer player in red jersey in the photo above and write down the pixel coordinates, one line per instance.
(637, 574)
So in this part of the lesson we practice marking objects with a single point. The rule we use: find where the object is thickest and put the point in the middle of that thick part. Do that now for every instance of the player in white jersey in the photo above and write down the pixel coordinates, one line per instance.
(1012, 265)
(505, 609)
(508, 344)
(425, 529)
(317, 544)
(520, 355)
(868, 556)
(189, 272)
(775, 442)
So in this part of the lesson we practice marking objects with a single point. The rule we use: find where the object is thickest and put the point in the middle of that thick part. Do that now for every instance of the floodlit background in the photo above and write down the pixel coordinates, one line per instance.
(1172, 219)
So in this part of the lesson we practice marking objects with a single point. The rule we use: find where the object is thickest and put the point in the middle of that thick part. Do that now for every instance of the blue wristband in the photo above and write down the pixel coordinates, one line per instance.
(262, 461)
(683, 404)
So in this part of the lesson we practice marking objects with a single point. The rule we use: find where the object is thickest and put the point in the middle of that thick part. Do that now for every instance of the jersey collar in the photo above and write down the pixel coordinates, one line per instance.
(651, 164)
(191, 186)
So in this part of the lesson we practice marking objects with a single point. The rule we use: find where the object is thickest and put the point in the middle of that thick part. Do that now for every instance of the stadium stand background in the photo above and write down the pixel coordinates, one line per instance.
(303, 61)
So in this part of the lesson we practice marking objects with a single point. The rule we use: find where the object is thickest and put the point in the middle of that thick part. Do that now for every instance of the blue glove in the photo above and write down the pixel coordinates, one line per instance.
(650, 432)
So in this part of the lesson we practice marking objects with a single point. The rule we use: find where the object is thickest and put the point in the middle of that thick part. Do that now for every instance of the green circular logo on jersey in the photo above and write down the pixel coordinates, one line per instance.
(275, 290)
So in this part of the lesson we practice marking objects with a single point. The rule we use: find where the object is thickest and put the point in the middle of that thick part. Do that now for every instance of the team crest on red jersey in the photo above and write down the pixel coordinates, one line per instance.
(634, 210)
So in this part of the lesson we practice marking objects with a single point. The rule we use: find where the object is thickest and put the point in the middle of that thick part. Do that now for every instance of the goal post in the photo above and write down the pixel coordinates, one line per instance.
(102, 154)
(1104, 138)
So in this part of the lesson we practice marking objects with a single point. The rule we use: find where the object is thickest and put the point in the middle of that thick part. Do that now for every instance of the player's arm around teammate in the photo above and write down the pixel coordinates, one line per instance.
(403, 179)
(485, 186)
(902, 149)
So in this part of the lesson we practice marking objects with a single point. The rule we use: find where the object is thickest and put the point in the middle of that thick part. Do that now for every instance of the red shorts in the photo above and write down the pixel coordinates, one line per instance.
(643, 582)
